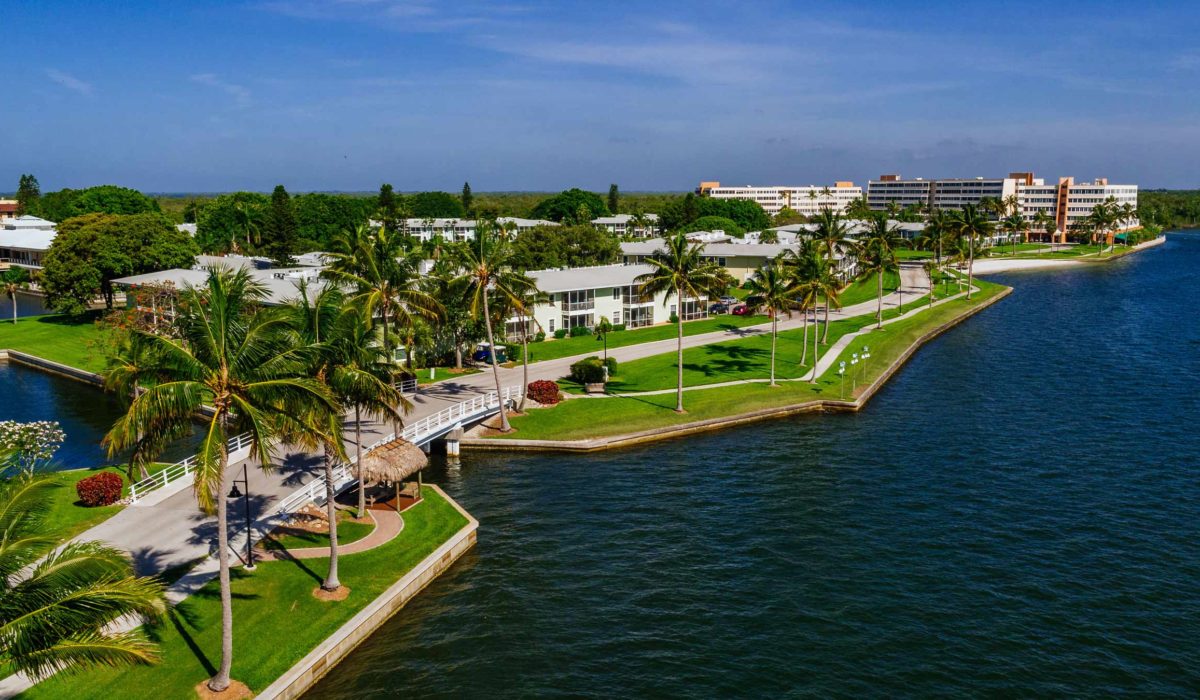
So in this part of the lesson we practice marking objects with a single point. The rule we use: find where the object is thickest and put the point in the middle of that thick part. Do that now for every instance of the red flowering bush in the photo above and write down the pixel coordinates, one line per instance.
(104, 489)
(543, 391)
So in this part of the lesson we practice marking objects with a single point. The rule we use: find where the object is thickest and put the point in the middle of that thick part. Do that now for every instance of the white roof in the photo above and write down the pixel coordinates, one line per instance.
(29, 222)
(598, 277)
(26, 239)
(525, 222)
(763, 250)
(189, 228)
(622, 219)
(282, 284)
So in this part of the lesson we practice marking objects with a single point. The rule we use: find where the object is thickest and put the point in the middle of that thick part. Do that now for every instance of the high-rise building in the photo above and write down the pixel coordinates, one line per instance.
(806, 199)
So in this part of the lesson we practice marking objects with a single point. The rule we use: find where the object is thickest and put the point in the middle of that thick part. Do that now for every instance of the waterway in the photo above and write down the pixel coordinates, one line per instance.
(1015, 514)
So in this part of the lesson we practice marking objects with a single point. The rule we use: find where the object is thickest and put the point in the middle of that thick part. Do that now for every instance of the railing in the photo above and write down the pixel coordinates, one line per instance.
(180, 470)
(579, 306)
(407, 386)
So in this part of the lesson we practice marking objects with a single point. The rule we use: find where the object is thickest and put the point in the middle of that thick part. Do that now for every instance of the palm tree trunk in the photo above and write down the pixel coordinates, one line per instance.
(457, 355)
(879, 303)
(679, 354)
(825, 336)
(220, 681)
(331, 578)
(13, 296)
(524, 365)
(774, 335)
(487, 322)
(362, 488)
(804, 343)
(970, 265)
(816, 360)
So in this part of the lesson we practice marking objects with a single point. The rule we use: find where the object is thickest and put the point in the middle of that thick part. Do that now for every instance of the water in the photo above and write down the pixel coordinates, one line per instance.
(27, 305)
(1016, 513)
(84, 412)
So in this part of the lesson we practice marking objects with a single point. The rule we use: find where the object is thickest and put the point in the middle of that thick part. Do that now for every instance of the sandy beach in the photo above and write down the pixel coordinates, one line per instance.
(983, 267)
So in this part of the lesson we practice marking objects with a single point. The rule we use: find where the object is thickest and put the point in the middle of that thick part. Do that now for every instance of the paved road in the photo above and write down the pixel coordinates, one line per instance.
(174, 531)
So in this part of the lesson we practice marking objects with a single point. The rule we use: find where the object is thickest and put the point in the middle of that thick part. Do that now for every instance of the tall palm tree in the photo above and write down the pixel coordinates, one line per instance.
(1045, 222)
(246, 222)
(14, 280)
(834, 237)
(970, 224)
(772, 288)
(487, 278)
(56, 602)
(931, 270)
(877, 256)
(1014, 225)
(522, 308)
(808, 292)
(237, 358)
(679, 271)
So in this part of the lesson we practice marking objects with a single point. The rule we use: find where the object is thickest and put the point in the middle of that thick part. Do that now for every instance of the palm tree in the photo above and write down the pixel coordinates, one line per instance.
(878, 256)
(1045, 222)
(128, 365)
(808, 293)
(1014, 225)
(834, 236)
(245, 222)
(969, 224)
(235, 358)
(56, 603)
(680, 272)
(771, 287)
(931, 270)
(14, 280)
(522, 307)
(487, 276)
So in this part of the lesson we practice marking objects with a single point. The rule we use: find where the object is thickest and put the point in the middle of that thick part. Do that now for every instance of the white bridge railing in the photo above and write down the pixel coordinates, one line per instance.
(180, 470)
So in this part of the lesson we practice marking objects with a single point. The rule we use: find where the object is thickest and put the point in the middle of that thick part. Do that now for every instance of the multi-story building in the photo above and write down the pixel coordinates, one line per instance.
(807, 200)
(451, 229)
(1076, 200)
(953, 193)
(24, 240)
(740, 259)
(8, 209)
(622, 225)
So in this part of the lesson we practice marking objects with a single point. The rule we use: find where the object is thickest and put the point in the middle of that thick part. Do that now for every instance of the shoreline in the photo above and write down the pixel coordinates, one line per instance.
(667, 433)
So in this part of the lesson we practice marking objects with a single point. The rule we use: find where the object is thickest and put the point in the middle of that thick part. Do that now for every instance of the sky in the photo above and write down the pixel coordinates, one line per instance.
(656, 96)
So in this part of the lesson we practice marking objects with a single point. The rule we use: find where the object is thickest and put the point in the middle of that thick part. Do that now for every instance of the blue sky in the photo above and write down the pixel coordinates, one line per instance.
(527, 95)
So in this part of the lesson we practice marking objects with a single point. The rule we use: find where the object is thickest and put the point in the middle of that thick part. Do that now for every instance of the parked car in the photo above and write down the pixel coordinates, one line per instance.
(728, 300)
(741, 310)
(718, 308)
(482, 353)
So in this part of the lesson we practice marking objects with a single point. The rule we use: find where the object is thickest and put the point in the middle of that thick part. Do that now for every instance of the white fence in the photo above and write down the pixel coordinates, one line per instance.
(180, 470)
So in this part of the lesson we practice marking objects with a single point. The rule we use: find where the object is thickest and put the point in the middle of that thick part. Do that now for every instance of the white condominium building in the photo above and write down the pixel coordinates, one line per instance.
(1070, 203)
(954, 193)
(462, 229)
(622, 224)
(807, 199)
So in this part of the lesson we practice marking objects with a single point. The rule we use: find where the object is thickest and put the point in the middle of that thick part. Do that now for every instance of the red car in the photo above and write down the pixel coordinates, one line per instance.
(740, 310)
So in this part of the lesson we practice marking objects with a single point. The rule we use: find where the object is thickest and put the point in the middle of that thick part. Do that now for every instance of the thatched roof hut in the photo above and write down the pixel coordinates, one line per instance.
(393, 462)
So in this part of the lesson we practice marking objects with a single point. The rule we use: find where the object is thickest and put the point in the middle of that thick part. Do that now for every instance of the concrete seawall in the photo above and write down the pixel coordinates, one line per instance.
(666, 433)
(23, 358)
(320, 660)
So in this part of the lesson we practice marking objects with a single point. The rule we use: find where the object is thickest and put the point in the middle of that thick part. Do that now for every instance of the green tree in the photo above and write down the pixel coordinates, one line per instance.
(236, 359)
(877, 256)
(487, 276)
(772, 288)
(600, 331)
(223, 221)
(29, 194)
(431, 205)
(279, 230)
(90, 251)
(388, 208)
(467, 199)
(614, 198)
(14, 279)
(715, 223)
(1014, 225)
(57, 602)
(833, 236)
(320, 217)
(970, 224)
(544, 247)
(572, 206)
(679, 271)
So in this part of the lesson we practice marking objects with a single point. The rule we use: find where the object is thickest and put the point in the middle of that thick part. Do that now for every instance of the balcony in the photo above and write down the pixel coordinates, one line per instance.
(579, 306)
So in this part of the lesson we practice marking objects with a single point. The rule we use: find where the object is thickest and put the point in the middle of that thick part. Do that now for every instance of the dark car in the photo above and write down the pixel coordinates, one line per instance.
(483, 354)
(741, 310)
(718, 308)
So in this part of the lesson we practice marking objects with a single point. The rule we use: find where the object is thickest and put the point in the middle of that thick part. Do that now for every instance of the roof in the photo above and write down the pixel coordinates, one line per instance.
(622, 219)
(598, 277)
(729, 250)
(26, 239)
(280, 290)
(190, 228)
(394, 461)
(525, 222)
(27, 221)
(8, 207)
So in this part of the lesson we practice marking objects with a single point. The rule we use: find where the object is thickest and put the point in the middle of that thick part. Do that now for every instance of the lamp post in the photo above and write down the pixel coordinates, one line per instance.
(853, 376)
(235, 493)
(866, 355)
(842, 375)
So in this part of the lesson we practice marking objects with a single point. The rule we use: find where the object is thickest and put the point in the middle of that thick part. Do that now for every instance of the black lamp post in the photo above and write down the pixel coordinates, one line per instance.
(235, 493)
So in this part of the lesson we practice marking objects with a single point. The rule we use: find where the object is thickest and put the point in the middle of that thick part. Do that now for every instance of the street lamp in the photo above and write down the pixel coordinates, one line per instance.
(234, 493)
(853, 376)
(842, 375)
(866, 355)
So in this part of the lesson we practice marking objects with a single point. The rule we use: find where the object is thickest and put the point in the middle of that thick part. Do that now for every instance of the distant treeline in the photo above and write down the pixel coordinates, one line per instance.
(1170, 208)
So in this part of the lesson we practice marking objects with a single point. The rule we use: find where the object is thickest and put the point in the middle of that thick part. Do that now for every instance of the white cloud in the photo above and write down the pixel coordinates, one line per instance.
(69, 81)
(239, 93)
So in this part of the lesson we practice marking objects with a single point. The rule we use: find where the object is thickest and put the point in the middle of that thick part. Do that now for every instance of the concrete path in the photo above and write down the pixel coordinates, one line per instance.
(388, 524)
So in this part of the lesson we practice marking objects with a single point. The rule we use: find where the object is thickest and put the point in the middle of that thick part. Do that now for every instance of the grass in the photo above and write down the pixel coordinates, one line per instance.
(276, 619)
(866, 289)
(590, 418)
(71, 340)
(585, 344)
(68, 517)
(442, 374)
(349, 530)
(911, 254)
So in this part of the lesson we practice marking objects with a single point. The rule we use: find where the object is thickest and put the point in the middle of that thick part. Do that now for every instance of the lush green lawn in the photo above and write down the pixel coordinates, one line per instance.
(866, 289)
(442, 374)
(276, 619)
(67, 516)
(70, 340)
(349, 531)
(911, 254)
(1006, 249)
(566, 347)
(588, 418)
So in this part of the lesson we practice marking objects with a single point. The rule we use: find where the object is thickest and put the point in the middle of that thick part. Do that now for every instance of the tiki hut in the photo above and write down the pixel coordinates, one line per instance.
(392, 463)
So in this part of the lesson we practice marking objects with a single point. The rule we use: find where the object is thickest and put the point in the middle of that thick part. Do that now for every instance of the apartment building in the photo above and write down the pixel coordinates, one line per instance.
(953, 193)
(24, 240)
(581, 296)
(8, 209)
(807, 199)
(1076, 200)
(741, 259)
(451, 229)
(622, 225)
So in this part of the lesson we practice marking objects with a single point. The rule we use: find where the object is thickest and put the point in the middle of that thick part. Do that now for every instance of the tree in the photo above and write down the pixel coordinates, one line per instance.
(57, 603)
(488, 275)
(787, 216)
(544, 247)
(969, 224)
(29, 193)
(714, 223)
(834, 238)
(679, 271)
(1045, 222)
(1014, 225)
(746, 214)
(522, 306)
(90, 251)
(14, 279)
(467, 199)
(931, 272)
(104, 199)
(458, 328)
(432, 205)
(222, 222)
(601, 330)
(614, 198)
(772, 288)
(234, 358)
(572, 206)
(320, 217)
(388, 208)
(279, 233)
(878, 256)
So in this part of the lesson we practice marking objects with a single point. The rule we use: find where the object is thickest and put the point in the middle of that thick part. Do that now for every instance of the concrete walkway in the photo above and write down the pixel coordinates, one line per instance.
(388, 524)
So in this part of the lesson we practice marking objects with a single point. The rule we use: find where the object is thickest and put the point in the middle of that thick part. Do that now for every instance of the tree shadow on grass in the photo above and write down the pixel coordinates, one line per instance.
(184, 619)
(83, 319)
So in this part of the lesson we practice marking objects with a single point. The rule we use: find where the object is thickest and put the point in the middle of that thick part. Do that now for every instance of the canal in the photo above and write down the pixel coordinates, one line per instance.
(1016, 513)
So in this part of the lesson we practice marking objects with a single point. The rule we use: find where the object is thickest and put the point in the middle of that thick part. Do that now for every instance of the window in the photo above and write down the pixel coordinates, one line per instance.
(616, 317)
(616, 292)
(672, 310)
(551, 326)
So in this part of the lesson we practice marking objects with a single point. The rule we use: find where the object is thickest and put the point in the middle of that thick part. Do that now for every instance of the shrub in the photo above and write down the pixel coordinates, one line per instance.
(103, 489)
(619, 327)
(674, 318)
(541, 336)
(580, 330)
(543, 391)
(560, 333)
(589, 370)
(611, 364)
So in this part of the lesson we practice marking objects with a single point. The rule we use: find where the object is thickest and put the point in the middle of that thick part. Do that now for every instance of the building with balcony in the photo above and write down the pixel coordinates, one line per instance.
(805, 199)
(622, 225)
(24, 240)
(450, 229)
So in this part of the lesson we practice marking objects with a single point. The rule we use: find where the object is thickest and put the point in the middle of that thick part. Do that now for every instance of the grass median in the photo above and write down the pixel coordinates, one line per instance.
(588, 345)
